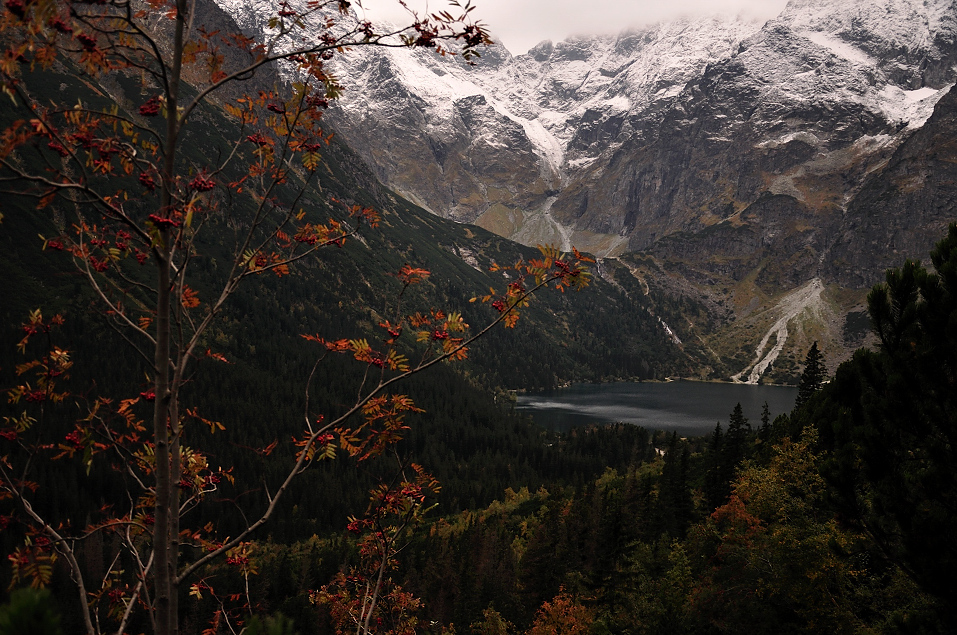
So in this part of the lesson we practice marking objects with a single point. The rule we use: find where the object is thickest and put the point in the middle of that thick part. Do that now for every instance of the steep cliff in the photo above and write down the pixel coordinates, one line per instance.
(746, 161)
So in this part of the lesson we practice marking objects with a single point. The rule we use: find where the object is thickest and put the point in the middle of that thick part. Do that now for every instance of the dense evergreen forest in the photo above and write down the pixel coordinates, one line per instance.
(837, 517)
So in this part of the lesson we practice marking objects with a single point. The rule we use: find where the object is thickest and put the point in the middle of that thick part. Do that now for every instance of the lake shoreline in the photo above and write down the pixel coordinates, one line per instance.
(692, 407)
(667, 380)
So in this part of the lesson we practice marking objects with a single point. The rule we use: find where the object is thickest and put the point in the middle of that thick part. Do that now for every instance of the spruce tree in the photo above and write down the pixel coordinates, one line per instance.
(715, 490)
(813, 376)
(764, 432)
(674, 497)
(735, 447)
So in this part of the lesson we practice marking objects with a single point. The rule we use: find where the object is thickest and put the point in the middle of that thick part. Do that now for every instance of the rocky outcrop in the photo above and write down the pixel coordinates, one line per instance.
(615, 143)
(903, 209)
(807, 107)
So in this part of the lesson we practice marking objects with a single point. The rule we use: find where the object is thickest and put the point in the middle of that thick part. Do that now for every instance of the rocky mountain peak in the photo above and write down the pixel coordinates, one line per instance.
(751, 157)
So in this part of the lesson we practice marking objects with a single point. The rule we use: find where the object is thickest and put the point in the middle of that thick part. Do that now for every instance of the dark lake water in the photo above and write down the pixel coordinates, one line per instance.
(689, 407)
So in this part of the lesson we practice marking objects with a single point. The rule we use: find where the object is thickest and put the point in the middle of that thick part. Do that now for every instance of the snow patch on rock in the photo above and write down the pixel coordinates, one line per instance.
(841, 48)
(913, 107)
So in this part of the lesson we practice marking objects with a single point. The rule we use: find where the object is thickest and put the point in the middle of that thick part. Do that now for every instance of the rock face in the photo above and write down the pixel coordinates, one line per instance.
(494, 144)
(616, 142)
(743, 160)
(903, 209)
(806, 108)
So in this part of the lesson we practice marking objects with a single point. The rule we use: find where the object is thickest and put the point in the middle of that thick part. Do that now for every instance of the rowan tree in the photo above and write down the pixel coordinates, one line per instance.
(131, 203)
(563, 615)
(771, 551)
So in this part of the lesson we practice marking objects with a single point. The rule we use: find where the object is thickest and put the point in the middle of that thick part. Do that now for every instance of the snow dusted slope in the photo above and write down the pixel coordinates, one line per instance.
(613, 142)
(893, 56)
(494, 143)
(583, 89)
(806, 108)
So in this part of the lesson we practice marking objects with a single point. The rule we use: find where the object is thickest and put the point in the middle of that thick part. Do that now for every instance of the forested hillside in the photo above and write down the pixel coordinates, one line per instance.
(238, 396)
(835, 518)
(467, 428)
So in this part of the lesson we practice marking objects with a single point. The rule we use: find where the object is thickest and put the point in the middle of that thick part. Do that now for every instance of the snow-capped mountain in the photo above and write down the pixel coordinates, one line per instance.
(746, 159)
(805, 107)
(495, 143)
(613, 142)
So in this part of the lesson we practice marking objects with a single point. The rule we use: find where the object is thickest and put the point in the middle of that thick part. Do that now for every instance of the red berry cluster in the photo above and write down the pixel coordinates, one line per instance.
(162, 221)
(74, 440)
(151, 107)
(61, 26)
(202, 184)
(57, 147)
(146, 180)
(87, 41)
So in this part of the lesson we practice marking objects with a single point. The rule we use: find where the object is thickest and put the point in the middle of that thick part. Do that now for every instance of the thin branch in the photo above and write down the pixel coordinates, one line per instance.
(302, 460)
(61, 545)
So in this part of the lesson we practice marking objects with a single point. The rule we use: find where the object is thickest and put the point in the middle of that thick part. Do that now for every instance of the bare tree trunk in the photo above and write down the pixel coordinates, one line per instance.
(161, 526)
(174, 501)
(167, 517)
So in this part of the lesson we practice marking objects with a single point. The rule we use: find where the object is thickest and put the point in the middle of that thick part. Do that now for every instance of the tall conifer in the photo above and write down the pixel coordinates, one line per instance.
(813, 376)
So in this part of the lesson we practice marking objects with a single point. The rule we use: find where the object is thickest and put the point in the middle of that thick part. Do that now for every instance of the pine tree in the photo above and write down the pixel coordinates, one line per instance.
(891, 426)
(714, 488)
(724, 455)
(763, 443)
(674, 492)
(735, 446)
(813, 376)
(764, 432)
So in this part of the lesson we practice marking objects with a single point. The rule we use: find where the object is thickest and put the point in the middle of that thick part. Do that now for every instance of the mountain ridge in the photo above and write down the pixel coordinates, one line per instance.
(531, 146)
(745, 157)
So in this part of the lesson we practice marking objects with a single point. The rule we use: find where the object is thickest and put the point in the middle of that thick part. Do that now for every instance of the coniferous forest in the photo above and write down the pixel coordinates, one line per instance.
(249, 390)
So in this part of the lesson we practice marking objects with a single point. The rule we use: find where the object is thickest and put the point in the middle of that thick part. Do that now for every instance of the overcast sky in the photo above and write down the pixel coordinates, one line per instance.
(521, 24)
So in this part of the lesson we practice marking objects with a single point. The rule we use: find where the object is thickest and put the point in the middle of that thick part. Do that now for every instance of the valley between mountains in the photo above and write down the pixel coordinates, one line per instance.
(262, 327)
(725, 163)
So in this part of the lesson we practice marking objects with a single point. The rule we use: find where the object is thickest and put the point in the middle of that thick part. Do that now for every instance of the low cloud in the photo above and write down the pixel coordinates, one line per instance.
(520, 24)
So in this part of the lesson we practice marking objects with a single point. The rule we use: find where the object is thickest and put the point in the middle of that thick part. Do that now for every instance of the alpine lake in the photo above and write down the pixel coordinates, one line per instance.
(690, 408)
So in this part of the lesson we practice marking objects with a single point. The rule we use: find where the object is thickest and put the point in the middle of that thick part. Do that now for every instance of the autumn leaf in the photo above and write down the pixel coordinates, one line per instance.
(412, 275)
(189, 299)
